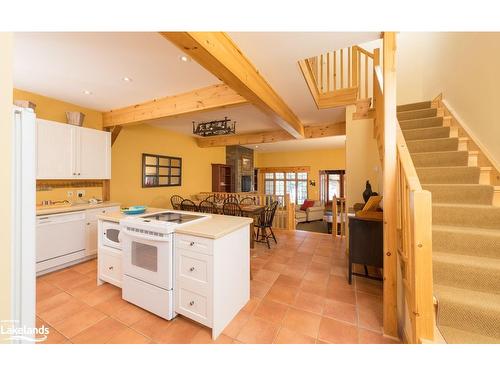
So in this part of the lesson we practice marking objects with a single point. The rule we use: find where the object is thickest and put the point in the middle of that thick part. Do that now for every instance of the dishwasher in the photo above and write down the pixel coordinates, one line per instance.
(60, 239)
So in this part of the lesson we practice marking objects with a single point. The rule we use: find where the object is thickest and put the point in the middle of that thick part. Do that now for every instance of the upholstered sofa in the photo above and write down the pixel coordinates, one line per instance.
(313, 213)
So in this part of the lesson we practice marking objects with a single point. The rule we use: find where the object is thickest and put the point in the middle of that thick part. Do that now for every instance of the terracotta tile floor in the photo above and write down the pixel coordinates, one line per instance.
(299, 294)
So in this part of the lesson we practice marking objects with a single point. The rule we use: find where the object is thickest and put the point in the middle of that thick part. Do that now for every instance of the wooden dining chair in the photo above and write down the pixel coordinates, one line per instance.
(247, 200)
(231, 199)
(265, 222)
(232, 209)
(176, 200)
(188, 205)
(208, 207)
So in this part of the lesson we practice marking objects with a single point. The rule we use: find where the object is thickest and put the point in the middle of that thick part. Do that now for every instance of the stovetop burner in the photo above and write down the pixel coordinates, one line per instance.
(172, 217)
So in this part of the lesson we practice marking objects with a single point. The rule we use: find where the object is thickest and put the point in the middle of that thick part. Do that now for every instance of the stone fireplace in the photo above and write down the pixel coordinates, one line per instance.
(241, 159)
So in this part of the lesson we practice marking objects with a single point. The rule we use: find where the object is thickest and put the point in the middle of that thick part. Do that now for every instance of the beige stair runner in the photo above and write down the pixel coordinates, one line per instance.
(466, 229)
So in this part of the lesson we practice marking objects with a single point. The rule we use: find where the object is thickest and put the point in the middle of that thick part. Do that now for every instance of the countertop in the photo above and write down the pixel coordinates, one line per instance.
(214, 227)
(68, 208)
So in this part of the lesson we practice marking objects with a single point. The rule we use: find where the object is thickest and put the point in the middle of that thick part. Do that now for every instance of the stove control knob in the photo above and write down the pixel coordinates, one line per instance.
(191, 303)
(191, 269)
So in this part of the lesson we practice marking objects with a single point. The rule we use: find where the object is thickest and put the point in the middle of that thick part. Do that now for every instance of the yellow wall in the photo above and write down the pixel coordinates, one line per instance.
(362, 158)
(135, 140)
(315, 159)
(464, 67)
(5, 171)
(55, 110)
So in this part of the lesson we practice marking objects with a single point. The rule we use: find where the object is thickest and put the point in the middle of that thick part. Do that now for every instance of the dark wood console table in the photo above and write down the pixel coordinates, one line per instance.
(366, 238)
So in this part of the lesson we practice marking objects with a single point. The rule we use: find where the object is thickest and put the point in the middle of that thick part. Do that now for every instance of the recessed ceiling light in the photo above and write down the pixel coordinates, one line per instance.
(87, 92)
(256, 146)
(127, 79)
(184, 58)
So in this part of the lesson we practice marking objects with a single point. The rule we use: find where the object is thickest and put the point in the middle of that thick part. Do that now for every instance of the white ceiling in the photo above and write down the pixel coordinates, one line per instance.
(248, 120)
(62, 65)
(276, 54)
(301, 144)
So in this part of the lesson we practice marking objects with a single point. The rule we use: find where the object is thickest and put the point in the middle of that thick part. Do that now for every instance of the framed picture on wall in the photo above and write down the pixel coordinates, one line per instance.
(246, 163)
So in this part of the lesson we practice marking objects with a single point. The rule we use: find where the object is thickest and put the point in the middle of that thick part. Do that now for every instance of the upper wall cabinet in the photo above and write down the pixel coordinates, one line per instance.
(71, 152)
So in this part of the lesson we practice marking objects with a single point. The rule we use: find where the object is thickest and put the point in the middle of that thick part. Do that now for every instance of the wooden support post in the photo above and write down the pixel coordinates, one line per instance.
(390, 181)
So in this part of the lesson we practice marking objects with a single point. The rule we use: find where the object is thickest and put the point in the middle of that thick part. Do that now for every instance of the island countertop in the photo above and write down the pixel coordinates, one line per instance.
(215, 226)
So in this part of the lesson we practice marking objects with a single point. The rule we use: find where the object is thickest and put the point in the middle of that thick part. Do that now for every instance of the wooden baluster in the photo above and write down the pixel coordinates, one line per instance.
(366, 76)
(342, 68)
(334, 217)
(328, 71)
(349, 83)
(334, 70)
(321, 72)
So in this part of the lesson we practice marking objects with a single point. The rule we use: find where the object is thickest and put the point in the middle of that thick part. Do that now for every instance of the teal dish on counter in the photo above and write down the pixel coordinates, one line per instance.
(134, 210)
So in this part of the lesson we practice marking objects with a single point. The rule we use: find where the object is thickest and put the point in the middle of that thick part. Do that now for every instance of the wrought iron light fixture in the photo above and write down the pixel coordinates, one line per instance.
(215, 127)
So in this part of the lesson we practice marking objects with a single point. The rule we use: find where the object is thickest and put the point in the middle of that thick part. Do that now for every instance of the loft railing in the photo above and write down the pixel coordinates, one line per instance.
(285, 212)
(340, 77)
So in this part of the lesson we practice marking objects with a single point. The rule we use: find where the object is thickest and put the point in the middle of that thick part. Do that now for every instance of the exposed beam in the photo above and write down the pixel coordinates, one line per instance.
(115, 131)
(312, 131)
(206, 98)
(219, 54)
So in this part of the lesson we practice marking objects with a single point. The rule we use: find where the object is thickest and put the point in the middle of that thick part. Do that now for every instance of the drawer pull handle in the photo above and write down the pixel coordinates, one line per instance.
(191, 269)
(191, 244)
(110, 268)
(191, 303)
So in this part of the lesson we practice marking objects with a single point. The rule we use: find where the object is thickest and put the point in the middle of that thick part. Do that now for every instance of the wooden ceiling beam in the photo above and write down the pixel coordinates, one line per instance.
(206, 98)
(312, 131)
(217, 53)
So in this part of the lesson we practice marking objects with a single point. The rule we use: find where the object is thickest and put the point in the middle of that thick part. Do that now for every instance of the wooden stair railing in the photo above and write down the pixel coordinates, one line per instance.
(414, 245)
(378, 104)
(339, 78)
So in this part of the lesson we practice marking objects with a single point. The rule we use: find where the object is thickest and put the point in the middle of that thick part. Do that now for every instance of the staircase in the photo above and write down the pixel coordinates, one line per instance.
(466, 226)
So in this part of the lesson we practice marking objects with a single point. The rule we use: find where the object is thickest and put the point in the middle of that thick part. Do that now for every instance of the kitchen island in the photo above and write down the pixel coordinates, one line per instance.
(177, 262)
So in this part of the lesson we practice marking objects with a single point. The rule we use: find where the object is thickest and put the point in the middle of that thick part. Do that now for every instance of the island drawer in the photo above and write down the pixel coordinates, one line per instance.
(193, 266)
(110, 267)
(193, 305)
(193, 243)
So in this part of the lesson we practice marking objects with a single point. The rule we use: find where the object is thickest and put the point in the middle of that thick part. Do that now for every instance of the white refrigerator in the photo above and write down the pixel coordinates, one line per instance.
(23, 213)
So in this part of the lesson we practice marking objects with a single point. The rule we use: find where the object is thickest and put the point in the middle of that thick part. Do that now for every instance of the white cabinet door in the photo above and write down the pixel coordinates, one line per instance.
(55, 156)
(94, 150)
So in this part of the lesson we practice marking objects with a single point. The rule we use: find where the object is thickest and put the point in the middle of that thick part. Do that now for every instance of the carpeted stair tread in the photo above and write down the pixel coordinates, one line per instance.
(460, 193)
(426, 133)
(466, 272)
(413, 106)
(448, 175)
(440, 159)
(421, 123)
(418, 113)
(433, 145)
(458, 336)
(468, 310)
(466, 215)
(466, 241)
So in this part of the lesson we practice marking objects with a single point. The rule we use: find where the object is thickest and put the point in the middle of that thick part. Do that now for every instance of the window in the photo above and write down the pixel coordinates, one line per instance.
(331, 185)
(158, 170)
(292, 183)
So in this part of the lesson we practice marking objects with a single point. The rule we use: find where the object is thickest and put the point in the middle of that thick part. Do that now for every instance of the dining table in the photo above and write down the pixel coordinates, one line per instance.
(249, 210)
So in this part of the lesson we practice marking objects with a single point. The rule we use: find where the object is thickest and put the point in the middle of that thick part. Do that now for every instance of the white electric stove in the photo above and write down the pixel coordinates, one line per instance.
(148, 254)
